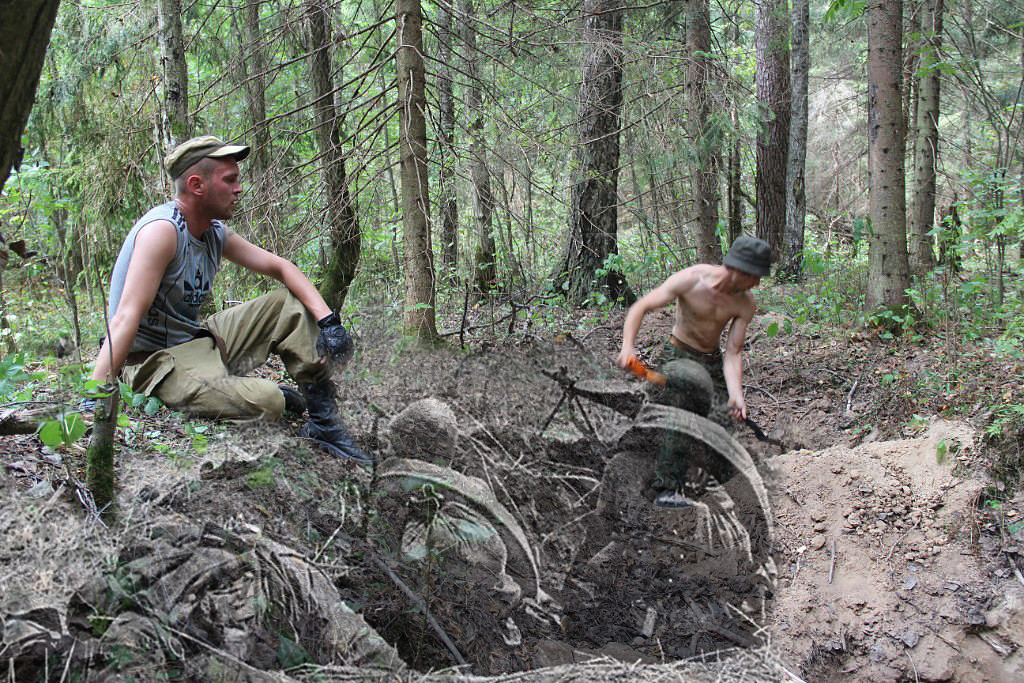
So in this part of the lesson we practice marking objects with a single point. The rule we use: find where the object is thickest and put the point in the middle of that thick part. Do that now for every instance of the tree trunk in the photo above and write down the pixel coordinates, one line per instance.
(735, 172)
(261, 209)
(343, 224)
(484, 268)
(772, 65)
(791, 266)
(446, 135)
(926, 145)
(24, 35)
(593, 215)
(417, 258)
(99, 458)
(888, 266)
(703, 134)
(174, 123)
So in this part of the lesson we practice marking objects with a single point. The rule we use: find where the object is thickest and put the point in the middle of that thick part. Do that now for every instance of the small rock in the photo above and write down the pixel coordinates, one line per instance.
(649, 620)
(818, 542)
(910, 638)
(909, 583)
(975, 617)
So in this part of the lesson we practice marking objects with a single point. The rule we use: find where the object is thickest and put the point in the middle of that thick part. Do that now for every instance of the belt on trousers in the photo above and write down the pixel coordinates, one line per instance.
(138, 357)
(683, 346)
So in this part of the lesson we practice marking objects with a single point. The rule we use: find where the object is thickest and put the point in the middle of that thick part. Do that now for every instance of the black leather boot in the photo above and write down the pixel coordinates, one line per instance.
(325, 427)
(294, 403)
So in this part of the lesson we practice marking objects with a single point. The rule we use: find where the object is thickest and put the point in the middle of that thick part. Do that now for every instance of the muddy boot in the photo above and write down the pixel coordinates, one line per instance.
(325, 427)
(294, 403)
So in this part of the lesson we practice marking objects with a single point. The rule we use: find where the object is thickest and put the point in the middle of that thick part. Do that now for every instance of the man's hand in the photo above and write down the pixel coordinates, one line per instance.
(624, 357)
(334, 341)
(738, 408)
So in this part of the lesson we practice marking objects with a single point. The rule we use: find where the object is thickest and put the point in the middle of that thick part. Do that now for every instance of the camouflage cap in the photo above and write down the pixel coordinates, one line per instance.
(191, 152)
(750, 255)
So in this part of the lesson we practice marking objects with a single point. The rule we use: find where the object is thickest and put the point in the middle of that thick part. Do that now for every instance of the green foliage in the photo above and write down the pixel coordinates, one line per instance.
(12, 374)
(197, 434)
(291, 654)
(139, 403)
(894, 321)
(63, 430)
(1007, 418)
(844, 10)
(266, 475)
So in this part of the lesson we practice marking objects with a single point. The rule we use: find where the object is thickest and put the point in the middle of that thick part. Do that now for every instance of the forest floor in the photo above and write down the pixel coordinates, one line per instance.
(874, 544)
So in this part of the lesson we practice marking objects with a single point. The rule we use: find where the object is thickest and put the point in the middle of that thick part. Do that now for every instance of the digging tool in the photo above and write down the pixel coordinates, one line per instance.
(640, 369)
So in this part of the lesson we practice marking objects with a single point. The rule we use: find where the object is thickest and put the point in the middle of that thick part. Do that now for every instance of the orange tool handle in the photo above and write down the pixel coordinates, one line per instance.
(637, 367)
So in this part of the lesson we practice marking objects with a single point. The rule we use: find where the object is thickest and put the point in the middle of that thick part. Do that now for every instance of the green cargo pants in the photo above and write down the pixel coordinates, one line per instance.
(674, 452)
(194, 377)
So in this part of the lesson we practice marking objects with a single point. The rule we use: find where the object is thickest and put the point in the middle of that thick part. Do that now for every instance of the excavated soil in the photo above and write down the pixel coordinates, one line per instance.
(510, 528)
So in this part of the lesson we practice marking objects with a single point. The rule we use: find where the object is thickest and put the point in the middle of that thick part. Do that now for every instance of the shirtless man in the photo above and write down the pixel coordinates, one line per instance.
(708, 298)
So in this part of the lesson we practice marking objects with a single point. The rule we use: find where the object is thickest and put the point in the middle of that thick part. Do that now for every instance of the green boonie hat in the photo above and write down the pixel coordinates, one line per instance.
(751, 255)
(191, 152)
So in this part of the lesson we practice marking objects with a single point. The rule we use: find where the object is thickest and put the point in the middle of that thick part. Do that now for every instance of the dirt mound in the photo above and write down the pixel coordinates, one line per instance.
(881, 576)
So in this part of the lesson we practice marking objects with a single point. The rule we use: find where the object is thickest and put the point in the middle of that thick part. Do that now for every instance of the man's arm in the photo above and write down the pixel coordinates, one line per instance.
(155, 245)
(732, 364)
(671, 289)
(239, 250)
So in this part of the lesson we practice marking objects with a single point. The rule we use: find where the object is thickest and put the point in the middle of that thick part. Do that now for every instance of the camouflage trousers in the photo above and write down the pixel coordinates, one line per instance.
(674, 451)
(202, 378)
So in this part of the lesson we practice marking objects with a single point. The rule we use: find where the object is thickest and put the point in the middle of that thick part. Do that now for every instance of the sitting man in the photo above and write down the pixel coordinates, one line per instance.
(708, 297)
(163, 273)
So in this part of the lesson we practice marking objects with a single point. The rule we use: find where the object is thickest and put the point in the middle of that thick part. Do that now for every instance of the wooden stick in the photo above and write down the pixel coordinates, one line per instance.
(832, 561)
(849, 396)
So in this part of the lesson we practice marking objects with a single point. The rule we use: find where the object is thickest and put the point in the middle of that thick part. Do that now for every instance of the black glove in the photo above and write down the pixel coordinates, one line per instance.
(334, 341)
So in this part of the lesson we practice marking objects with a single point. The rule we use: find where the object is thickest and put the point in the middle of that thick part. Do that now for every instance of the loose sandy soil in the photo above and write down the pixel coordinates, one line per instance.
(872, 557)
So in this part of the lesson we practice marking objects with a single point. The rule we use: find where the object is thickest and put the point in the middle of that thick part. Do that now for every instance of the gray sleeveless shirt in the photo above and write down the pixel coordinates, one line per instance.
(173, 317)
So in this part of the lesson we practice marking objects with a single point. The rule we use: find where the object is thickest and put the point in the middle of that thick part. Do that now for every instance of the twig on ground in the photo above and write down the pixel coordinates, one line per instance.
(832, 560)
(687, 544)
(917, 678)
(330, 539)
(418, 601)
(849, 396)
(734, 637)
(67, 662)
(896, 543)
